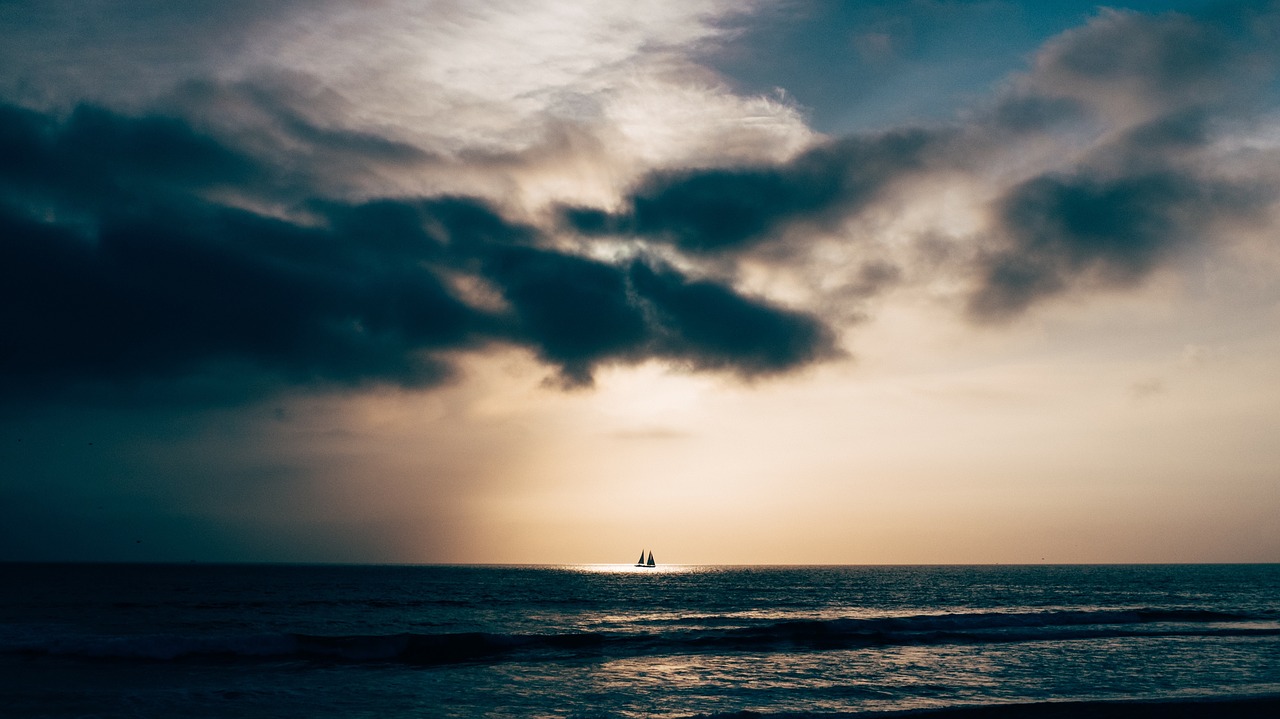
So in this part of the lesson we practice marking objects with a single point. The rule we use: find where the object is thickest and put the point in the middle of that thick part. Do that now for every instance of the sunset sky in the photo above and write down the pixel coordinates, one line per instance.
(551, 281)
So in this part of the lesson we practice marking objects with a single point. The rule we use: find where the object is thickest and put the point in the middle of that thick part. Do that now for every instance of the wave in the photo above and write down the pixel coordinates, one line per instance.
(984, 627)
(777, 636)
(404, 647)
(1225, 707)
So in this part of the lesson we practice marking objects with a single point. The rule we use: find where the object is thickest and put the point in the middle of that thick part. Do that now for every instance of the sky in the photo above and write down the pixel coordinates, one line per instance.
(789, 282)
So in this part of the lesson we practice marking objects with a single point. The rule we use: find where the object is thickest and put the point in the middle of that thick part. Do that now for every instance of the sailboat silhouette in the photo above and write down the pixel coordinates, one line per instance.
(642, 563)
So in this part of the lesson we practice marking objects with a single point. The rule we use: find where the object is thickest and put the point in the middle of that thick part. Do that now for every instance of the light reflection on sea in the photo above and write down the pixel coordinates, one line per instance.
(635, 569)
(193, 642)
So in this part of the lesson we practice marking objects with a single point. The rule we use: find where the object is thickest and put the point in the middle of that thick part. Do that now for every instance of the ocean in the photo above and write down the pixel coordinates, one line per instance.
(201, 640)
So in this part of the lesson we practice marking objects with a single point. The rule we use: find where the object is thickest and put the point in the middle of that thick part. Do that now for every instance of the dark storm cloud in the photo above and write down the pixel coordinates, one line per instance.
(115, 267)
(580, 312)
(712, 327)
(576, 311)
(725, 209)
(167, 291)
(96, 156)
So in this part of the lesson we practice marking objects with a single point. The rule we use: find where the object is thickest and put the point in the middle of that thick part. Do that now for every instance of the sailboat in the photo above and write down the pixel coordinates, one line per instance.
(642, 563)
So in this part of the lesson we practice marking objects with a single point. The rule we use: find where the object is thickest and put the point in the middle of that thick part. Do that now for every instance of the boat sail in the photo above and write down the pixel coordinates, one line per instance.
(650, 562)
(641, 561)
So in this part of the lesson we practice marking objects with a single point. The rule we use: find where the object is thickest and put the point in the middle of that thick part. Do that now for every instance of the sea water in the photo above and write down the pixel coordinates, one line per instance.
(104, 640)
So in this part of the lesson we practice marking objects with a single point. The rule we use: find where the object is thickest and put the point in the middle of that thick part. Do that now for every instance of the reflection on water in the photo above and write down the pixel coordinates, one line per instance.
(632, 569)
(623, 641)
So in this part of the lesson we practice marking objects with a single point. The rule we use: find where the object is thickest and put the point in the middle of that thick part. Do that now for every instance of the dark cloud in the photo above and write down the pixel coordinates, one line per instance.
(576, 311)
(97, 157)
(1067, 229)
(712, 327)
(1135, 201)
(168, 292)
(580, 313)
(724, 209)
(122, 261)
(115, 267)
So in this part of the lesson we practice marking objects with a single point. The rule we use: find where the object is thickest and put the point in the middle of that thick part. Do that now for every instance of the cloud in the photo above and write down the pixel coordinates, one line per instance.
(1160, 91)
(58, 53)
(576, 311)
(1087, 173)
(1107, 231)
(169, 291)
(1124, 69)
(713, 327)
(226, 229)
(1162, 61)
(579, 313)
(730, 208)
(117, 266)
(243, 223)
(1030, 112)
(97, 156)
(289, 113)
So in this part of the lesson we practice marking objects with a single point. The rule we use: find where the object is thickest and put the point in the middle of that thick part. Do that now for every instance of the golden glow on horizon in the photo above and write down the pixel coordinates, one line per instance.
(942, 461)
(632, 569)
(1080, 433)
(1130, 414)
